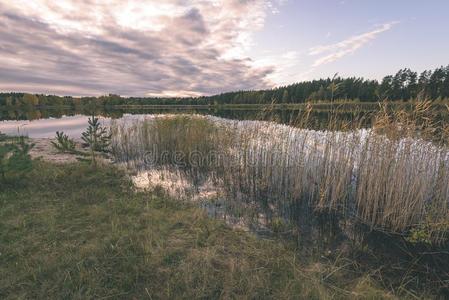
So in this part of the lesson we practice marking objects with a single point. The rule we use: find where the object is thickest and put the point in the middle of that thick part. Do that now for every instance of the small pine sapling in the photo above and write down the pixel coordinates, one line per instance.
(96, 137)
(15, 158)
(63, 143)
(3, 137)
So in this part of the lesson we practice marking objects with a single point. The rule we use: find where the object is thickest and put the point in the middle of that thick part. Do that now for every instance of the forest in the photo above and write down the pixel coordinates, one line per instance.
(405, 85)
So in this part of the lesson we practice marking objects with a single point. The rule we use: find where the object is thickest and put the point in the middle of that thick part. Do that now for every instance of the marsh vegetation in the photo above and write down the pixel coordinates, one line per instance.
(390, 177)
(386, 184)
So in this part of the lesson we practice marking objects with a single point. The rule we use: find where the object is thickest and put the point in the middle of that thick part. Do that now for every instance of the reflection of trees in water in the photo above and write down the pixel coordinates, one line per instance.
(317, 119)
(36, 114)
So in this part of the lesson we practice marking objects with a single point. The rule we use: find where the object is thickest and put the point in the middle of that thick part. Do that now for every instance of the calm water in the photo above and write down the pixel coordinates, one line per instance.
(46, 128)
(44, 123)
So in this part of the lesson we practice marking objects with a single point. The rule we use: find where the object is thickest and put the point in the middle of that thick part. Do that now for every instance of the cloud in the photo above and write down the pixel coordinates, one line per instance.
(284, 62)
(133, 48)
(333, 52)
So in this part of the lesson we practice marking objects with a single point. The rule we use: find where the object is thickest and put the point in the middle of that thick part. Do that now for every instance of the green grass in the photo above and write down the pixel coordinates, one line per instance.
(3, 137)
(7, 138)
(72, 232)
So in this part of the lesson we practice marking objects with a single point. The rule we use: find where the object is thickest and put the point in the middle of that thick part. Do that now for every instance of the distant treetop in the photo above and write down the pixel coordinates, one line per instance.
(404, 85)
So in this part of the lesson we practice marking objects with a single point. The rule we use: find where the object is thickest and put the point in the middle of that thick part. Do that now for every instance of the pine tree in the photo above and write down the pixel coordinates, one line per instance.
(15, 158)
(63, 143)
(96, 137)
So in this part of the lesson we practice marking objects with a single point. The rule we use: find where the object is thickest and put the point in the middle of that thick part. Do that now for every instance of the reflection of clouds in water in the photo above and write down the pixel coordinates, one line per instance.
(46, 128)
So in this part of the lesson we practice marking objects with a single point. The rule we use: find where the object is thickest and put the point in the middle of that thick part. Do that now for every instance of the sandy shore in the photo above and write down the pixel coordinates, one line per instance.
(44, 150)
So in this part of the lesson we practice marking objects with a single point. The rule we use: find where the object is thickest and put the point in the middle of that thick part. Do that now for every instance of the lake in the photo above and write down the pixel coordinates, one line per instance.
(44, 123)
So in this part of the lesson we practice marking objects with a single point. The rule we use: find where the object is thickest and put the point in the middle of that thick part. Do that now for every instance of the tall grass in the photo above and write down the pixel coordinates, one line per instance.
(95, 238)
(392, 177)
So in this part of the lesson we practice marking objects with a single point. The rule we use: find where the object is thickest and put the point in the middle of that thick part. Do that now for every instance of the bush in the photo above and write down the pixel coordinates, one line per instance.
(3, 137)
(15, 159)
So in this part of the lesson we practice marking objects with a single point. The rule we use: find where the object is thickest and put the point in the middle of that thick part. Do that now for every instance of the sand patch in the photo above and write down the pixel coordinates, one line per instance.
(44, 150)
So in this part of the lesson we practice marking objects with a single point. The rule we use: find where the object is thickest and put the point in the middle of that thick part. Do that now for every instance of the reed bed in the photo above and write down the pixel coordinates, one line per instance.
(392, 177)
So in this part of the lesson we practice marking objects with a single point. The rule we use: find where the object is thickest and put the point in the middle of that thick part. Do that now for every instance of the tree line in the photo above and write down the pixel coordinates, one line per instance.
(404, 85)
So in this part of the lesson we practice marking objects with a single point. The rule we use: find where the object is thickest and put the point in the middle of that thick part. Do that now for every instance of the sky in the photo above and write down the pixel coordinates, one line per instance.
(205, 47)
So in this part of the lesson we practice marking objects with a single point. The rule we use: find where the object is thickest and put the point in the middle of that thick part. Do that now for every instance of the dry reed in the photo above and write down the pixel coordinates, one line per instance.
(392, 177)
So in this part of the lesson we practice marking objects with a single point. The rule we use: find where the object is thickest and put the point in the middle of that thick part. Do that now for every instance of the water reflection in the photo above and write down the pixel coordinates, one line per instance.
(44, 123)
(46, 128)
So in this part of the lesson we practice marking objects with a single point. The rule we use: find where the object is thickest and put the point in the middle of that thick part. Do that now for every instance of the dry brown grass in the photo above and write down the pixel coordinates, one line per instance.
(95, 238)
(392, 177)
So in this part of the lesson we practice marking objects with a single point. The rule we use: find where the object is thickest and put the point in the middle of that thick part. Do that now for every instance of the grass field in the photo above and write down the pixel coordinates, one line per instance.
(71, 232)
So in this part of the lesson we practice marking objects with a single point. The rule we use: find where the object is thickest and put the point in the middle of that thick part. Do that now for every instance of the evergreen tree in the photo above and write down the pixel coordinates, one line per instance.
(96, 137)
